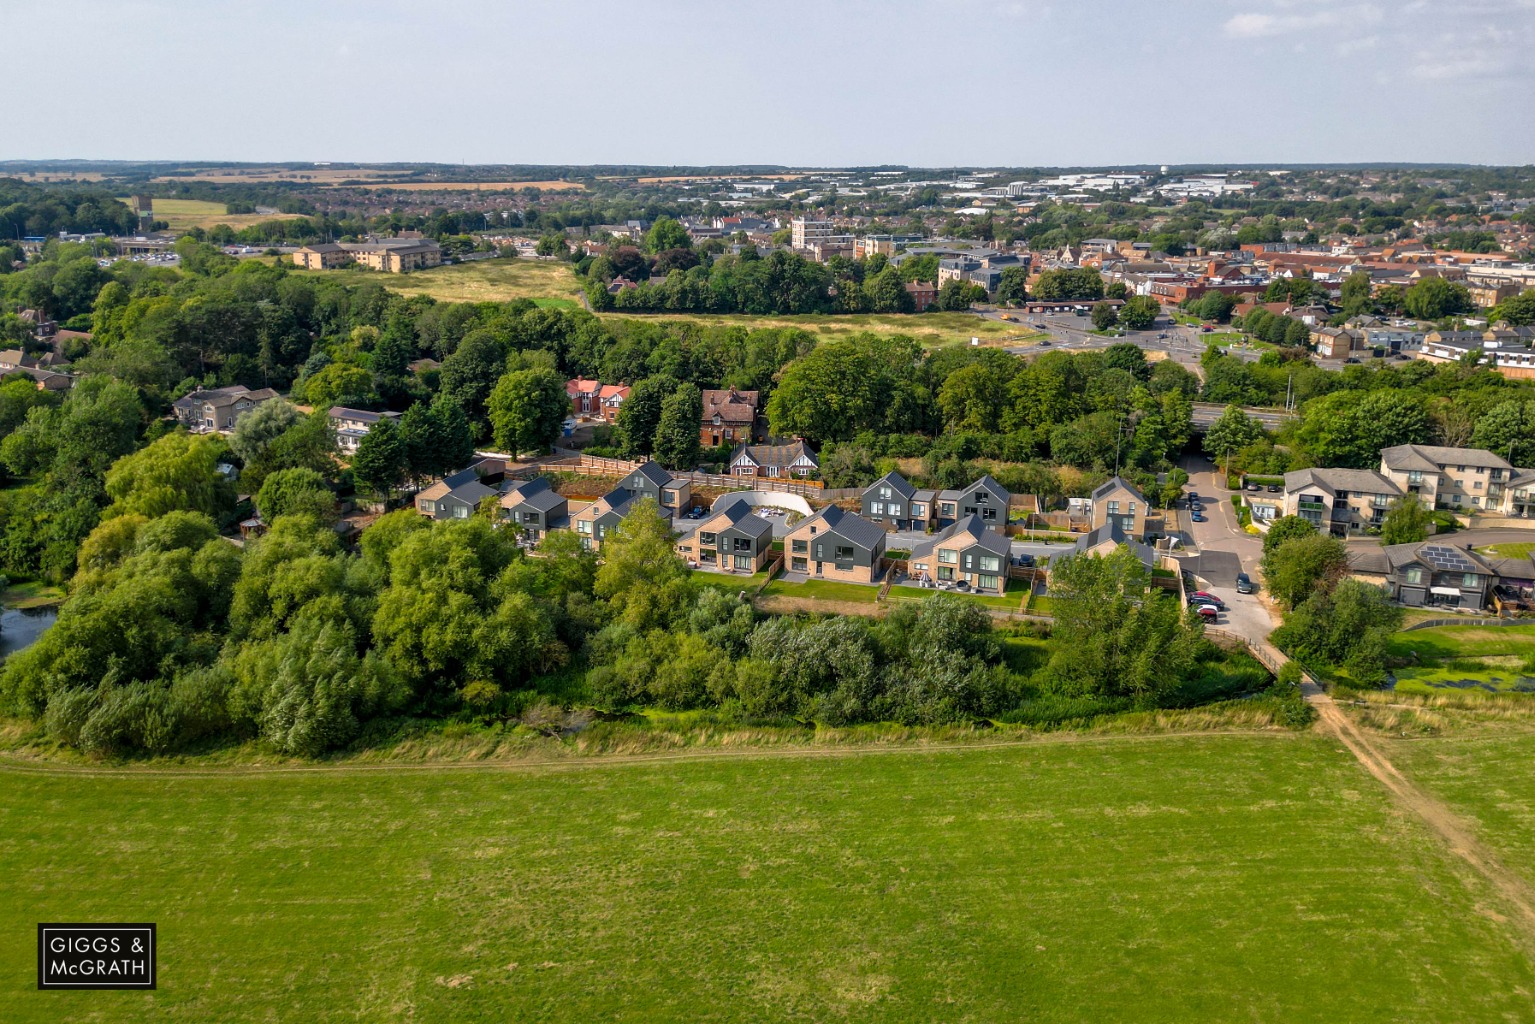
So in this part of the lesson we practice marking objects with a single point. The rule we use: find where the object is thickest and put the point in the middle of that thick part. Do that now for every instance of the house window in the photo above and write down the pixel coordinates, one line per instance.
(895, 509)
(820, 555)
(461, 512)
(1132, 508)
(707, 539)
(986, 583)
(583, 526)
(429, 506)
(877, 509)
(743, 543)
(1113, 508)
(969, 561)
(948, 555)
(919, 510)
(946, 509)
(799, 547)
(798, 565)
(884, 492)
(1414, 575)
(743, 561)
(991, 563)
(1470, 581)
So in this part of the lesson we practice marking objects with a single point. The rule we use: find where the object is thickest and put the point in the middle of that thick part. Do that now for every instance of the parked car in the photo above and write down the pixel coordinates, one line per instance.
(1245, 584)
(1275, 488)
(1207, 598)
(1198, 518)
(1027, 561)
(1207, 612)
(1255, 487)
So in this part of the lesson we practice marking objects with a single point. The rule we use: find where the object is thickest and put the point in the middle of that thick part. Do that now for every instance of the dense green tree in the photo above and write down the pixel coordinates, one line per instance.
(1347, 429)
(1115, 634)
(1518, 311)
(1104, 316)
(1301, 566)
(1232, 432)
(1056, 285)
(527, 410)
(1432, 298)
(1286, 528)
(470, 374)
(1407, 521)
(640, 415)
(1139, 312)
(379, 462)
(886, 293)
(177, 472)
(642, 578)
(296, 492)
(1013, 286)
(665, 234)
(864, 383)
(255, 431)
(677, 433)
(973, 398)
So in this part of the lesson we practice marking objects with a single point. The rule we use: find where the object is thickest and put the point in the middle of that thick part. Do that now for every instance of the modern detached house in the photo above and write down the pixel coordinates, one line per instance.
(673, 494)
(1432, 573)
(836, 545)
(1119, 502)
(892, 503)
(732, 538)
(774, 460)
(454, 497)
(533, 507)
(967, 552)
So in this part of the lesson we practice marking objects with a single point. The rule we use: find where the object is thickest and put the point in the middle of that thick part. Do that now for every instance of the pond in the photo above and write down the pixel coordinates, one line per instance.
(20, 627)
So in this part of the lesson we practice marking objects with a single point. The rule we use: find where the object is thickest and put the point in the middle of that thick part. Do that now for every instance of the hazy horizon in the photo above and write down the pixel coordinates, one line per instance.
(921, 83)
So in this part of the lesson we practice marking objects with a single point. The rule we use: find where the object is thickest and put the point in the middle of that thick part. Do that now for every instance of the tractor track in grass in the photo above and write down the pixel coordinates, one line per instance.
(1515, 891)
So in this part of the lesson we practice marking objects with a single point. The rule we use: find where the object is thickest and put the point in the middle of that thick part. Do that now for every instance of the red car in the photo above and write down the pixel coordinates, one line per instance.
(1207, 612)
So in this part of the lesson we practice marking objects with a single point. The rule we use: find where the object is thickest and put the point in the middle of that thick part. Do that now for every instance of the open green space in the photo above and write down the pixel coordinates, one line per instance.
(1175, 878)
(1463, 657)
(1482, 772)
(546, 282)
(933, 330)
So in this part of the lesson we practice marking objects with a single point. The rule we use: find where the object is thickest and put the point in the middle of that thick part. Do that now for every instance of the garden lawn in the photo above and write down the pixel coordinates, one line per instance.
(1462, 657)
(823, 590)
(1213, 878)
(728, 581)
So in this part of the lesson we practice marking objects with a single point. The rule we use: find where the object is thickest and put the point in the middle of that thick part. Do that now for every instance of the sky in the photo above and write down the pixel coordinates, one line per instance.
(936, 83)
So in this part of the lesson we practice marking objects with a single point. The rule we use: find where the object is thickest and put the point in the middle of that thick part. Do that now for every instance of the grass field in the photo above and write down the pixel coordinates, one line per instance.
(545, 282)
(185, 214)
(1213, 878)
(1462, 657)
(933, 330)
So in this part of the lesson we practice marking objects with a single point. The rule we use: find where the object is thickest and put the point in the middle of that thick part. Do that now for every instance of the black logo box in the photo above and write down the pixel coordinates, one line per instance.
(96, 956)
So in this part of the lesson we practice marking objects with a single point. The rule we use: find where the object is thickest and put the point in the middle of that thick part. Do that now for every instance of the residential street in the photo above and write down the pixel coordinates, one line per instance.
(1224, 550)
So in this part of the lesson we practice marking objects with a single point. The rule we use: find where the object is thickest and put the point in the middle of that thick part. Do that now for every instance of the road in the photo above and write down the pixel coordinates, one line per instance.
(1225, 549)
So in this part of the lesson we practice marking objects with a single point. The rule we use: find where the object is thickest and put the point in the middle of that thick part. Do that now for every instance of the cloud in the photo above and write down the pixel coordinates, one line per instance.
(1264, 25)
